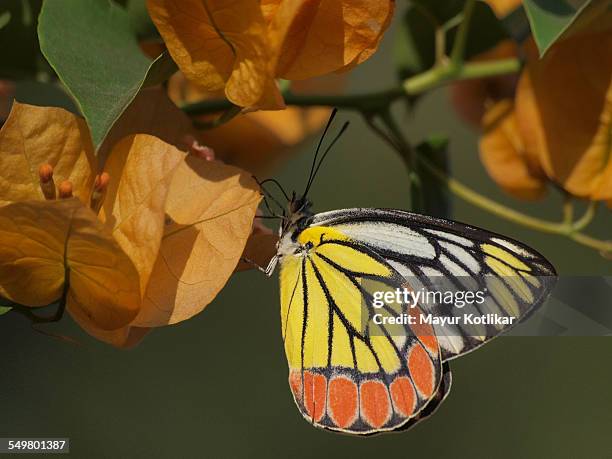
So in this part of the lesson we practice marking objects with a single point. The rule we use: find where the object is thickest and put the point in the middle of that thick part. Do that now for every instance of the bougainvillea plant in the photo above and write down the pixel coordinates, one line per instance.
(130, 207)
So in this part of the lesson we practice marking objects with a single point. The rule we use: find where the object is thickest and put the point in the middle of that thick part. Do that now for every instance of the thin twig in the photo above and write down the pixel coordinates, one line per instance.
(458, 52)
(376, 101)
(507, 213)
(224, 118)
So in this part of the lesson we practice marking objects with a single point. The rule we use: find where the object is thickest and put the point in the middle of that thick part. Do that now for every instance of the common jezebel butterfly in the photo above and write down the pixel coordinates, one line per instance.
(346, 374)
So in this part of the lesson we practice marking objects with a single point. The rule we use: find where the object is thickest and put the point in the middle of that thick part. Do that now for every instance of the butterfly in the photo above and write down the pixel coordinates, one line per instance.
(349, 372)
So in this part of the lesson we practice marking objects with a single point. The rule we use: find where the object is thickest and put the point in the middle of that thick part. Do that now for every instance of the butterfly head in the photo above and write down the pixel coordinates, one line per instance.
(299, 205)
(297, 215)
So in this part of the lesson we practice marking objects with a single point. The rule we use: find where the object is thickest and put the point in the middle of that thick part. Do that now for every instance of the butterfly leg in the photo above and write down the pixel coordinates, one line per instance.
(271, 265)
(254, 264)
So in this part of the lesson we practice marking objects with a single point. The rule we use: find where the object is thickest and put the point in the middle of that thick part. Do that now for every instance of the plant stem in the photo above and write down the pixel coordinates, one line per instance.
(224, 118)
(444, 71)
(458, 52)
(604, 247)
(376, 101)
(565, 228)
(572, 230)
(440, 46)
(440, 75)
(586, 218)
(475, 198)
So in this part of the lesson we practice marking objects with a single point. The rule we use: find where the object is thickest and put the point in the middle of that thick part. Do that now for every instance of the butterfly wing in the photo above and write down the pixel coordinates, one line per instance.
(437, 254)
(435, 402)
(345, 372)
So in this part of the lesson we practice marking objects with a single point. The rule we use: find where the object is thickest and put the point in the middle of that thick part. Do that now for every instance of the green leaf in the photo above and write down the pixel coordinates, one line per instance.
(93, 48)
(552, 19)
(5, 305)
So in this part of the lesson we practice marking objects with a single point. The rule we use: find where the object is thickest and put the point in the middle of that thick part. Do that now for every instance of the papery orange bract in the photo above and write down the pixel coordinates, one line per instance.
(7, 93)
(220, 43)
(32, 136)
(203, 244)
(318, 37)
(142, 168)
(470, 97)
(258, 141)
(269, 9)
(564, 113)
(42, 242)
(108, 259)
(503, 7)
(558, 128)
(124, 337)
(272, 135)
(504, 157)
(242, 46)
(153, 113)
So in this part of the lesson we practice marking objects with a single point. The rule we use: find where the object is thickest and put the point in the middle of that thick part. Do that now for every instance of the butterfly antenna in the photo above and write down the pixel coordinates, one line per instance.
(314, 160)
(278, 185)
(267, 194)
(327, 150)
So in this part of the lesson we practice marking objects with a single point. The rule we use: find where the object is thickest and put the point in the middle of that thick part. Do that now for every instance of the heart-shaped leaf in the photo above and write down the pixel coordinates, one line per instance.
(92, 46)
(552, 19)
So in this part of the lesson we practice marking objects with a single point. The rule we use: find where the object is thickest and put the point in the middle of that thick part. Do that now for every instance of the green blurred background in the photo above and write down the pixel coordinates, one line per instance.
(216, 385)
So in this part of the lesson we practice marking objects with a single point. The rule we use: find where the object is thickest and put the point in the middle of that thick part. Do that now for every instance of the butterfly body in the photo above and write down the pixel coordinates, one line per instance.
(350, 374)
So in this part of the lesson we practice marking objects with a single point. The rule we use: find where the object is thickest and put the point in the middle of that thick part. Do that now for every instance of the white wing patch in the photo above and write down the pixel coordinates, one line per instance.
(391, 237)
(453, 343)
(431, 272)
(452, 267)
(462, 255)
(450, 237)
(461, 274)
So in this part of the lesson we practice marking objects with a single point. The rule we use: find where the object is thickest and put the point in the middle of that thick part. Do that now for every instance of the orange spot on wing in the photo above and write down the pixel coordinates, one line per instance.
(375, 405)
(430, 342)
(421, 370)
(424, 332)
(342, 401)
(295, 382)
(315, 389)
(403, 396)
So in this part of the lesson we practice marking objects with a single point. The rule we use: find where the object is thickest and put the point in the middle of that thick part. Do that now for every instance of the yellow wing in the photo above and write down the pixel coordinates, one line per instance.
(444, 256)
(346, 372)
